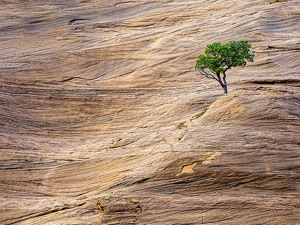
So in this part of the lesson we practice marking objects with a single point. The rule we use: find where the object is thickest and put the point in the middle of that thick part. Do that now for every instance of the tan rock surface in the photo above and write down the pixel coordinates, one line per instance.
(99, 98)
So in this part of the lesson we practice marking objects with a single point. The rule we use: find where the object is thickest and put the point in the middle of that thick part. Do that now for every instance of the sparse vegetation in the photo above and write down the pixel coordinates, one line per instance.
(276, 1)
(134, 201)
(185, 124)
(220, 58)
(198, 115)
(107, 198)
(181, 125)
(82, 198)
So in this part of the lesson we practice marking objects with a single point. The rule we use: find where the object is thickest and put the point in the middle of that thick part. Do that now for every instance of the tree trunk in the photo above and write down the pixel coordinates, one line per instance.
(225, 89)
(224, 83)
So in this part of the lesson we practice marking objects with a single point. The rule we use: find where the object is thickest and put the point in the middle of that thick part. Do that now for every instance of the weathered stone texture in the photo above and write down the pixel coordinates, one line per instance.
(100, 98)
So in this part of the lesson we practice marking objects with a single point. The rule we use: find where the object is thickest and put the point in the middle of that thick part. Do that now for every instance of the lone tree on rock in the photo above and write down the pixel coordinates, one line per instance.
(220, 58)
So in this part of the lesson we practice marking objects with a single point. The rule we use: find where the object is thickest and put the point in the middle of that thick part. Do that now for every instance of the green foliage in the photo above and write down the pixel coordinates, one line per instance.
(107, 198)
(219, 58)
(134, 201)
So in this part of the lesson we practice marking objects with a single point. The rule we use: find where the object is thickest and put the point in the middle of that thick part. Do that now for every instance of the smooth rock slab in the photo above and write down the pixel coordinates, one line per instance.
(100, 98)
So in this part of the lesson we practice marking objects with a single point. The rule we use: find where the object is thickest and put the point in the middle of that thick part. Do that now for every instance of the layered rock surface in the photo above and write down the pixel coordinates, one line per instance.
(100, 98)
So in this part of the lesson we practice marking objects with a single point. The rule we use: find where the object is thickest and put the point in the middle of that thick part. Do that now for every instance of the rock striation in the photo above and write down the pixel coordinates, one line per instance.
(100, 99)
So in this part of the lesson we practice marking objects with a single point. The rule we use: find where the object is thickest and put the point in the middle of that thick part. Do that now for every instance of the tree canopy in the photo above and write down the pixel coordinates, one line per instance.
(220, 58)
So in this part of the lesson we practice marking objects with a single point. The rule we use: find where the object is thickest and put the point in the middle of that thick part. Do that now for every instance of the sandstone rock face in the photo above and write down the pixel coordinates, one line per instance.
(100, 99)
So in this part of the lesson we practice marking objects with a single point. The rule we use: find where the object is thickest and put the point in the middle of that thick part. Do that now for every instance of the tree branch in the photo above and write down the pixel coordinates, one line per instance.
(207, 75)
(227, 69)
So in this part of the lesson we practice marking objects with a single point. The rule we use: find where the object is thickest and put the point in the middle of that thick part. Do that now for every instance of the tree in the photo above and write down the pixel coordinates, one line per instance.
(220, 58)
